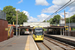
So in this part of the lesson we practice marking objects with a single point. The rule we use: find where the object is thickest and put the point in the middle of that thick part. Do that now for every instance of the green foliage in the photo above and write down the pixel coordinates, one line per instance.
(72, 19)
(22, 18)
(45, 29)
(51, 20)
(10, 12)
(55, 19)
(48, 21)
(44, 21)
(11, 15)
(73, 29)
(67, 20)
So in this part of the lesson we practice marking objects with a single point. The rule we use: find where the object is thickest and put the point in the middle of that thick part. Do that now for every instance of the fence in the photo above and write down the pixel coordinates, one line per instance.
(70, 33)
(2, 15)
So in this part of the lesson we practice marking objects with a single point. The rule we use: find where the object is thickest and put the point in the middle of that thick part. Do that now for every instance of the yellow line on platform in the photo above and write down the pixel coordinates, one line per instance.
(27, 44)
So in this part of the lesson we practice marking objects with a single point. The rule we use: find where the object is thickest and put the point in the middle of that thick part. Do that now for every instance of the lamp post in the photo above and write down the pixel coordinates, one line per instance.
(65, 21)
(16, 22)
(69, 25)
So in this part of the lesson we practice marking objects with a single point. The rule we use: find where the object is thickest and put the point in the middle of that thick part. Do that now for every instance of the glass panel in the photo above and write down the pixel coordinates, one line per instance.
(38, 31)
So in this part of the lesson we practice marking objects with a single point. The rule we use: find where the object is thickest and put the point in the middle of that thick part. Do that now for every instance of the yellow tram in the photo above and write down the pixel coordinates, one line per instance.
(38, 33)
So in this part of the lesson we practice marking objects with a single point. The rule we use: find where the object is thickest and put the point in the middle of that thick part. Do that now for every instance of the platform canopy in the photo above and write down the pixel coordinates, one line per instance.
(51, 27)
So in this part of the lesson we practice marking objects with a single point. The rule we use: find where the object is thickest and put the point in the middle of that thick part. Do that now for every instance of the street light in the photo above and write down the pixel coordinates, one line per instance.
(16, 22)
(69, 25)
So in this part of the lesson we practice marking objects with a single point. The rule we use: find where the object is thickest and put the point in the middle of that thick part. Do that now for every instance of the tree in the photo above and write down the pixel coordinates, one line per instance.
(51, 21)
(72, 19)
(44, 21)
(48, 21)
(56, 19)
(10, 13)
(22, 18)
(67, 20)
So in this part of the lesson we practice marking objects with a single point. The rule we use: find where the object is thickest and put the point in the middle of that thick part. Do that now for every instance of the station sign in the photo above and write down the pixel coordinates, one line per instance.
(6, 29)
(66, 27)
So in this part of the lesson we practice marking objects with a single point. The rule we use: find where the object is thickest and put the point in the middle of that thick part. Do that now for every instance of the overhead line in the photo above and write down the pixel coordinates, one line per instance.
(58, 9)
(67, 5)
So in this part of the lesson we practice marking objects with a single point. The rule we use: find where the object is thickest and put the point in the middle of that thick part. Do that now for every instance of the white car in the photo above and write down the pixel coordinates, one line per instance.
(27, 32)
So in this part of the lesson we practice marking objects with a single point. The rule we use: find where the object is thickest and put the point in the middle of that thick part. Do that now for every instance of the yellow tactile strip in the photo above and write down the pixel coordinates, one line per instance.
(27, 44)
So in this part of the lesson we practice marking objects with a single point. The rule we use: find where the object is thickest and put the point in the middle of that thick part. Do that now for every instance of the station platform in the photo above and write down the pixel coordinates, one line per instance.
(25, 42)
(67, 39)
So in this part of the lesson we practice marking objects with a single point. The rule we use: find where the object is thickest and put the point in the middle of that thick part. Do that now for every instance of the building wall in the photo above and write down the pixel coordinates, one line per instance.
(62, 21)
(43, 24)
(3, 30)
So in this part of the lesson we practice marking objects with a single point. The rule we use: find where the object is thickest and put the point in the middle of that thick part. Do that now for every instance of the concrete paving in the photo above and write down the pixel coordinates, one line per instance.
(15, 43)
(33, 45)
(30, 44)
(65, 37)
(24, 42)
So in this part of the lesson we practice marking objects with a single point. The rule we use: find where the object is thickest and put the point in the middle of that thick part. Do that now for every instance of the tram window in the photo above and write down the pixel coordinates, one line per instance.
(39, 33)
(38, 30)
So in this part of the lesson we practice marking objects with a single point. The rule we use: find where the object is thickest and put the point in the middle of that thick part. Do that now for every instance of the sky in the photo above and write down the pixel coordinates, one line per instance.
(39, 10)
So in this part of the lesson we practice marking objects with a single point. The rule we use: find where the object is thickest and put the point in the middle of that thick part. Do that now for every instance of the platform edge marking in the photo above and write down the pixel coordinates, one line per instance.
(27, 44)
(35, 43)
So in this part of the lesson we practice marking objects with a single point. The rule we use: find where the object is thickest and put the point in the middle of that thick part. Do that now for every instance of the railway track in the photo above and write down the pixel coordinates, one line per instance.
(42, 46)
(59, 44)
(51, 44)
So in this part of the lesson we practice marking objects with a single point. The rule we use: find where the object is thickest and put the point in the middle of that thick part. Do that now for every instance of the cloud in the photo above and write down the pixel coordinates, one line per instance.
(30, 18)
(26, 13)
(39, 18)
(57, 5)
(68, 14)
(42, 17)
(72, 9)
(20, 1)
(17, 9)
(60, 2)
(41, 2)
(51, 9)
